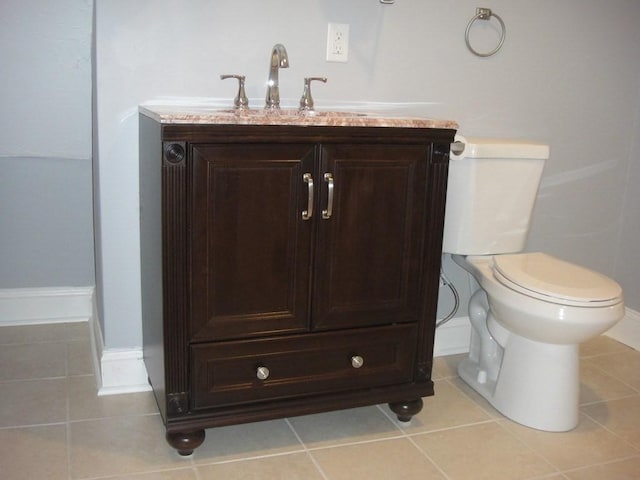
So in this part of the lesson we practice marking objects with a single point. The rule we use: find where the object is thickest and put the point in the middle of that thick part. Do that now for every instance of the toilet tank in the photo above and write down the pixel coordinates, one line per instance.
(491, 192)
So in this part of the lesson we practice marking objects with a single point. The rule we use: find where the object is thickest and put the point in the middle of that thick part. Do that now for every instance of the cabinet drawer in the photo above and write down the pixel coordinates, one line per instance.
(248, 371)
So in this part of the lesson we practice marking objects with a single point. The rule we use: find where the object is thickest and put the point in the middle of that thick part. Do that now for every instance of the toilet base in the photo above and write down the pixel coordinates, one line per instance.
(537, 386)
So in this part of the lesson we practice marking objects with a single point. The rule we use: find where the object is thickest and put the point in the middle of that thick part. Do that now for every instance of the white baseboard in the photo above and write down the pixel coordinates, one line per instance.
(33, 306)
(118, 370)
(452, 337)
(627, 331)
(123, 371)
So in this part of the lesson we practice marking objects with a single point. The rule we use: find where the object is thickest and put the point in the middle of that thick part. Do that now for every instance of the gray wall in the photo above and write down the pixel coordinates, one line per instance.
(627, 260)
(568, 75)
(46, 222)
(46, 236)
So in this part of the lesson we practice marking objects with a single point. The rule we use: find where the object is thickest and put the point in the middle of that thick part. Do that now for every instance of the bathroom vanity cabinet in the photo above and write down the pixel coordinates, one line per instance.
(288, 269)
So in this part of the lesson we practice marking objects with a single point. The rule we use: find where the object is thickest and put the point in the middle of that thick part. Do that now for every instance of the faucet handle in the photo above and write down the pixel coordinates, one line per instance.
(306, 102)
(241, 101)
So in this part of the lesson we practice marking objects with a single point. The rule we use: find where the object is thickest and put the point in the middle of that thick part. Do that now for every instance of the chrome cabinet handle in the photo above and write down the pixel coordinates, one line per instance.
(326, 214)
(357, 361)
(308, 213)
(262, 373)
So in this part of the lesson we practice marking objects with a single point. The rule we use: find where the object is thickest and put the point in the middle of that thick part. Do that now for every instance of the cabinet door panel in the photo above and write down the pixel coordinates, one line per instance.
(368, 254)
(251, 247)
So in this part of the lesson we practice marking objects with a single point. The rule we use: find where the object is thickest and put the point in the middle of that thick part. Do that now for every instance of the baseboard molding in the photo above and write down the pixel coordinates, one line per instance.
(627, 331)
(452, 337)
(117, 371)
(33, 306)
(123, 371)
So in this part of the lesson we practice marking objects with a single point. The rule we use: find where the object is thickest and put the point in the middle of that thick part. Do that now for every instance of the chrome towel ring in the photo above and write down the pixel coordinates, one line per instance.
(485, 14)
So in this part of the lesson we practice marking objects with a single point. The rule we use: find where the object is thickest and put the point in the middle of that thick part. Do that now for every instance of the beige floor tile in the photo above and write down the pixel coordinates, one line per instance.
(247, 441)
(34, 453)
(602, 345)
(446, 367)
(476, 398)
(46, 380)
(379, 460)
(596, 385)
(449, 407)
(119, 446)
(296, 466)
(33, 402)
(628, 469)
(479, 452)
(85, 404)
(625, 366)
(40, 360)
(588, 444)
(343, 426)
(181, 474)
(52, 332)
(621, 416)
(79, 360)
(77, 331)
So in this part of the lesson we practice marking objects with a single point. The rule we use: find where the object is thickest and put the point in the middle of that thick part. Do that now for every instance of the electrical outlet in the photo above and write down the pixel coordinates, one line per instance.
(338, 42)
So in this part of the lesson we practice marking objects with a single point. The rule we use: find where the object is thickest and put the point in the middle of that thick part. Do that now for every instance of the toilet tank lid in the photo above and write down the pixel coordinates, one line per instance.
(547, 275)
(476, 147)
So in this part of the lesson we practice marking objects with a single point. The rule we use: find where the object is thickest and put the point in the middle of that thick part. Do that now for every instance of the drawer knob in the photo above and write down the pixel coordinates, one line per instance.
(357, 361)
(262, 373)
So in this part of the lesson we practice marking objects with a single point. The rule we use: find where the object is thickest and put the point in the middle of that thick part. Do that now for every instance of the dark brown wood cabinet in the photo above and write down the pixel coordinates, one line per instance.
(288, 270)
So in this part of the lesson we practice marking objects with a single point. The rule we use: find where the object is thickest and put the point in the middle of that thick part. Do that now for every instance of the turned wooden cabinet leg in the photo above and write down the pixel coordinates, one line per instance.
(185, 443)
(406, 409)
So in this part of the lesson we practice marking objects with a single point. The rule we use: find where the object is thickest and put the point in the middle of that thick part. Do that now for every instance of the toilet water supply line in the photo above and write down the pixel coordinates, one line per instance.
(456, 298)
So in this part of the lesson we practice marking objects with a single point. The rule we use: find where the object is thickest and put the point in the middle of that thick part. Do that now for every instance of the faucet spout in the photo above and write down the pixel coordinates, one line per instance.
(279, 59)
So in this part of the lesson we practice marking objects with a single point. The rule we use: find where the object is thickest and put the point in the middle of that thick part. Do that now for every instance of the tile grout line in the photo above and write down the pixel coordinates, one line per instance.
(118, 476)
(313, 459)
(609, 462)
(359, 442)
(615, 377)
(428, 457)
(627, 442)
(68, 406)
(522, 442)
(613, 399)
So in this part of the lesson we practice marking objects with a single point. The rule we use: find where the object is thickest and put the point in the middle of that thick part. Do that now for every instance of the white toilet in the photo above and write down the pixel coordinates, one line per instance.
(532, 310)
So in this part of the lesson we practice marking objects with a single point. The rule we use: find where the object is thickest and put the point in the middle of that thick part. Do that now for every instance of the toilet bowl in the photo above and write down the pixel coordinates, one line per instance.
(524, 357)
(532, 310)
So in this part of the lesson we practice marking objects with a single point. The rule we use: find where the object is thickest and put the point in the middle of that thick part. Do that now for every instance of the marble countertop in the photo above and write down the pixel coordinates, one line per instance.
(172, 114)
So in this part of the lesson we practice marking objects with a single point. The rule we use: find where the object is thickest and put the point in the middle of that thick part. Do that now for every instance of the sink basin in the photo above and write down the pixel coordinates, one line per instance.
(286, 112)
(284, 116)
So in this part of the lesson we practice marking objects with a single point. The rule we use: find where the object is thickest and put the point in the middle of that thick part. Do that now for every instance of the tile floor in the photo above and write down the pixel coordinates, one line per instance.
(53, 426)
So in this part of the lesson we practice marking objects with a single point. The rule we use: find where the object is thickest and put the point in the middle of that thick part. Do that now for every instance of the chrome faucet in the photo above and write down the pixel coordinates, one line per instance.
(279, 59)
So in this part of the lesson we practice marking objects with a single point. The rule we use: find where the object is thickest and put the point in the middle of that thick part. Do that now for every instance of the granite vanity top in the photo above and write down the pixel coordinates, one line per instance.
(172, 114)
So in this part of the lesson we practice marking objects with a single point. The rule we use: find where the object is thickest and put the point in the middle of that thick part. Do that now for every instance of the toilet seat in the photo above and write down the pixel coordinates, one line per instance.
(553, 280)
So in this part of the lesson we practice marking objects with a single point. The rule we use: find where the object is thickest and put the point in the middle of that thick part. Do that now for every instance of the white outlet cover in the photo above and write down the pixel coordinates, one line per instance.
(338, 42)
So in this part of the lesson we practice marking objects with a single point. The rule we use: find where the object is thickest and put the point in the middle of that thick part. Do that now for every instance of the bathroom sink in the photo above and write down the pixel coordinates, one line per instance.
(208, 114)
(292, 113)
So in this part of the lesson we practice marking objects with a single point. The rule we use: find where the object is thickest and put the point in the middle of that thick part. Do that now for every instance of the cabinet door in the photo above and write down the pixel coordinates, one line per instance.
(368, 254)
(250, 244)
